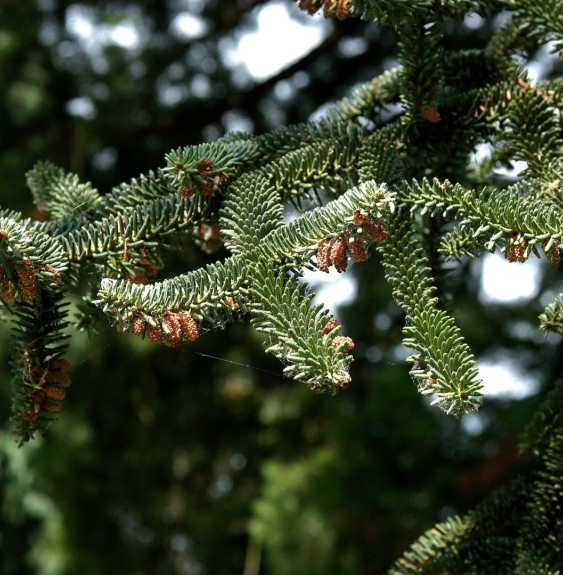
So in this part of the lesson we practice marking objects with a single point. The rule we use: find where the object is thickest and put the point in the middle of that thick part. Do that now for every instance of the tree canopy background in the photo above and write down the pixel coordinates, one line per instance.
(173, 461)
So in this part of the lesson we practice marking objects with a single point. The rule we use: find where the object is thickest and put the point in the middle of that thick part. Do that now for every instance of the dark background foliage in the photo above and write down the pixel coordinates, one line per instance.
(172, 461)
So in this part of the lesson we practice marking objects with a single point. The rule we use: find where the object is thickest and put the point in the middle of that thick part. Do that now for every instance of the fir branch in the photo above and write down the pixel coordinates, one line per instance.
(535, 135)
(329, 164)
(298, 240)
(500, 218)
(546, 422)
(468, 70)
(33, 277)
(203, 293)
(206, 167)
(492, 104)
(298, 332)
(278, 142)
(552, 317)
(540, 536)
(29, 260)
(443, 363)
(40, 179)
(519, 528)
(459, 545)
(394, 11)
(456, 244)
(367, 100)
(503, 43)
(379, 159)
(63, 196)
(250, 210)
(540, 20)
(128, 195)
(140, 226)
(420, 56)
(37, 350)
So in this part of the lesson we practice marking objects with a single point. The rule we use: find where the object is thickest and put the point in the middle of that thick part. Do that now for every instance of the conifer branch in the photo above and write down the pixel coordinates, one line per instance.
(443, 365)
(367, 99)
(205, 168)
(233, 191)
(535, 135)
(329, 164)
(394, 181)
(501, 218)
(251, 209)
(141, 226)
(552, 317)
(301, 336)
(201, 292)
(38, 365)
(59, 194)
(519, 528)
(540, 20)
(421, 74)
(457, 243)
(128, 195)
(29, 259)
(278, 142)
(379, 159)
(461, 544)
